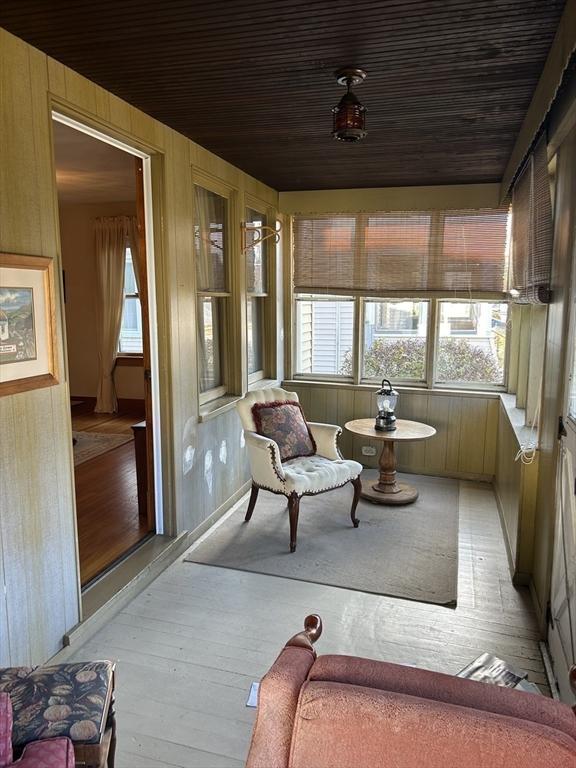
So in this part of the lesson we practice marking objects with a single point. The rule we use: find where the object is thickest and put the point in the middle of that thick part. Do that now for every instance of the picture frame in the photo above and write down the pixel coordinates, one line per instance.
(27, 323)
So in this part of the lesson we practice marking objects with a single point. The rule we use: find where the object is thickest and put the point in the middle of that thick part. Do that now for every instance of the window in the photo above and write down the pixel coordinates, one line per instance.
(130, 341)
(324, 335)
(410, 341)
(395, 340)
(471, 342)
(257, 293)
(211, 251)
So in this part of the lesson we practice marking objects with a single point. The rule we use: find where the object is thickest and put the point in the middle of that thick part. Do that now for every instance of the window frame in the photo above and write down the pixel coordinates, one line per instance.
(430, 380)
(120, 354)
(268, 297)
(229, 360)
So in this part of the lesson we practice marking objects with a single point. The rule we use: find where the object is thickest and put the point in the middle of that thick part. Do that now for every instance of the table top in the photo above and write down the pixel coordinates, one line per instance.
(405, 430)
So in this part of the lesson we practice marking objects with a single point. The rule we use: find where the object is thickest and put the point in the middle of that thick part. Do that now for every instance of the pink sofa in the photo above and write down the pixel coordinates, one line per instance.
(47, 753)
(348, 712)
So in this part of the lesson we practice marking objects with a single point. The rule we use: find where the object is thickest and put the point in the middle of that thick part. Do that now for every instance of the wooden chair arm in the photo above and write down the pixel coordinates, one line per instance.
(311, 633)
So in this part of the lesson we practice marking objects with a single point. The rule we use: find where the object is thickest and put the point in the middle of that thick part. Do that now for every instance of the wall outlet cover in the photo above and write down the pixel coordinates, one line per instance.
(368, 450)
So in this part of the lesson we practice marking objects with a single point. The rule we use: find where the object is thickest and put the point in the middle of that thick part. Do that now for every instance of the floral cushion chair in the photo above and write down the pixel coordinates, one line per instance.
(73, 700)
(291, 456)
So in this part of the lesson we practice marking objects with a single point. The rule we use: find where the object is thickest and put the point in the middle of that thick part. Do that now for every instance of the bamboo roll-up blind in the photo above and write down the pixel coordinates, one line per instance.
(532, 230)
(401, 252)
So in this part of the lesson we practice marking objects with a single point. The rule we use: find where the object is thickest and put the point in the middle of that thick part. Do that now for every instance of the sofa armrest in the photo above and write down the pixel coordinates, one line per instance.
(56, 753)
(326, 439)
(265, 463)
(5, 730)
(278, 699)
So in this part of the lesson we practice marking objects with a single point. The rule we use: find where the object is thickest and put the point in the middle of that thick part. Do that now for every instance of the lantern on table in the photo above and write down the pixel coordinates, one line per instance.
(386, 399)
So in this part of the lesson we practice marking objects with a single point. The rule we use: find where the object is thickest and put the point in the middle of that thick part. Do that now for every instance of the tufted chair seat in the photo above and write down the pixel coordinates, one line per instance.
(317, 466)
(315, 474)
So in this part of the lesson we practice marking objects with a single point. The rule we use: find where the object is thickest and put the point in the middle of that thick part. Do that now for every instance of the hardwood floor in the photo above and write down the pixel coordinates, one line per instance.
(190, 645)
(106, 494)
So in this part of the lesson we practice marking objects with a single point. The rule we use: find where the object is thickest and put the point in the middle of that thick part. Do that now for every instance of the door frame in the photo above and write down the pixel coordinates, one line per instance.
(60, 114)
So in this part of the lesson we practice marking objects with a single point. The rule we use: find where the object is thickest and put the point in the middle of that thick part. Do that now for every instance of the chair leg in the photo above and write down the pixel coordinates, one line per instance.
(357, 483)
(252, 502)
(293, 510)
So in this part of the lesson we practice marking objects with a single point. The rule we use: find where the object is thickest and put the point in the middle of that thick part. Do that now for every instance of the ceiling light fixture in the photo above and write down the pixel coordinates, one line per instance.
(350, 114)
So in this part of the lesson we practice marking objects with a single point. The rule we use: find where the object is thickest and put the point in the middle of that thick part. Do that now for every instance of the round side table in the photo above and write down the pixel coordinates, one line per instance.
(387, 490)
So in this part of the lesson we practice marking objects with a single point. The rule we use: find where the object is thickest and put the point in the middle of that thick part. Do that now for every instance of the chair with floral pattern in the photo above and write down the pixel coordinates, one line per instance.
(73, 700)
(291, 456)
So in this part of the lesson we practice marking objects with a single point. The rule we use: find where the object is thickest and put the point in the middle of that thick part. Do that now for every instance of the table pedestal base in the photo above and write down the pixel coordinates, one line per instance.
(387, 490)
(397, 494)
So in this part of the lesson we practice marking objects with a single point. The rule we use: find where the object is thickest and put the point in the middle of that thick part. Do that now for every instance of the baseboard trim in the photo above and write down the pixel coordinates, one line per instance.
(511, 563)
(212, 519)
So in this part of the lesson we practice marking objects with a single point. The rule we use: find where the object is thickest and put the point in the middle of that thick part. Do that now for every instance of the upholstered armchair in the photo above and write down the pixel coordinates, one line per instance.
(291, 456)
(336, 711)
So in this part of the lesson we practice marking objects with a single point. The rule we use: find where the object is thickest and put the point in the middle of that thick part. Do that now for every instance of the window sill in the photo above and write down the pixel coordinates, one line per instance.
(217, 407)
(130, 361)
(525, 435)
(447, 391)
(263, 384)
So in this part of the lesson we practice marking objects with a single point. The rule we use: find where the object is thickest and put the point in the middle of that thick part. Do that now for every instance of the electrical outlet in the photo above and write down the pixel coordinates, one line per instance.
(368, 450)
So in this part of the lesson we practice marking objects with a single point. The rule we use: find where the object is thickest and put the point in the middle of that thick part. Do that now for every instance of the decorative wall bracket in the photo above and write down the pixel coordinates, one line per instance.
(263, 232)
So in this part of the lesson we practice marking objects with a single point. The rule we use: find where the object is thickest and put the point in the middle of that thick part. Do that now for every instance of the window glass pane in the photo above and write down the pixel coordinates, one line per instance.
(324, 335)
(472, 342)
(130, 341)
(256, 277)
(255, 334)
(210, 240)
(210, 319)
(395, 338)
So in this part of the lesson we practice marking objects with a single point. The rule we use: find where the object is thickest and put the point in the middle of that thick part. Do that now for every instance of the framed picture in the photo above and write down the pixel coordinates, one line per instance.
(27, 323)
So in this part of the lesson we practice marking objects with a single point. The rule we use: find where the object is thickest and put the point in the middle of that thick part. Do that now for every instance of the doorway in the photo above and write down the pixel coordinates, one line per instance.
(107, 309)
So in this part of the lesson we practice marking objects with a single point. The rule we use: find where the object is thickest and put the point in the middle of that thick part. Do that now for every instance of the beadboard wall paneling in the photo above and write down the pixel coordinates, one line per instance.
(203, 464)
(466, 425)
(515, 486)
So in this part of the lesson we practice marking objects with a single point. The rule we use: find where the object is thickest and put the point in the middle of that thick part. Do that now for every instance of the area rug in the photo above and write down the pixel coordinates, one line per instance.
(409, 552)
(88, 445)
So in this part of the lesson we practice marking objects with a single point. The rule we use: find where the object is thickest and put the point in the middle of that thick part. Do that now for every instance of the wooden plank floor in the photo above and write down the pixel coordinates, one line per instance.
(106, 494)
(189, 646)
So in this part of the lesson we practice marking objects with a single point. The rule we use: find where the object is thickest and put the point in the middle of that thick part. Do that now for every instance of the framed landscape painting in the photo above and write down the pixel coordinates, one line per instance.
(27, 323)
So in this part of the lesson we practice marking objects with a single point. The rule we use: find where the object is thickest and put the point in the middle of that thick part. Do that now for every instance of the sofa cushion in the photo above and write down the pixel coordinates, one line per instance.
(48, 753)
(5, 730)
(313, 474)
(284, 422)
(440, 687)
(60, 700)
(380, 728)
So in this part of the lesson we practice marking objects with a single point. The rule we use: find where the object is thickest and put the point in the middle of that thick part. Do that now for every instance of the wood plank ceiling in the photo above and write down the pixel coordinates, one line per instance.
(449, 81)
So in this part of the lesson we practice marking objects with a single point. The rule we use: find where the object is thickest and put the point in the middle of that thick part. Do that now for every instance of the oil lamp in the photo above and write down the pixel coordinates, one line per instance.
(386, 399)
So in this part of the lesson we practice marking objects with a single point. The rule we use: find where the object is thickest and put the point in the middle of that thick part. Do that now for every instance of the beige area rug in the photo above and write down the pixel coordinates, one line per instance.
(91, 444)
(409, 552)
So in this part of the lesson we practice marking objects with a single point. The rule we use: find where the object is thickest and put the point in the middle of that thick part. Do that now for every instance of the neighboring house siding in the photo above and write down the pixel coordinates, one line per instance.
(333, 324)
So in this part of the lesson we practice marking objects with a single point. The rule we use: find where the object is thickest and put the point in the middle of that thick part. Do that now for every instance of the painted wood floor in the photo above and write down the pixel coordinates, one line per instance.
(189, 646)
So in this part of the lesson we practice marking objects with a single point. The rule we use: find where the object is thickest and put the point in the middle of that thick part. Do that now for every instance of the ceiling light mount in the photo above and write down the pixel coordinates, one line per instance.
(350, 115)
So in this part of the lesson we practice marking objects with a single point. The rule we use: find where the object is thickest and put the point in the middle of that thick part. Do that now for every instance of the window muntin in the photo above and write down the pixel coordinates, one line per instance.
(211, 248)
(130, 340)
(395, 340)
(324, 335)
(471, 347)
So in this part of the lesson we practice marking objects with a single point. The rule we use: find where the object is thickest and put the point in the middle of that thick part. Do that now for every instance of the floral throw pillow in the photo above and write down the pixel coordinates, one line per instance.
(284, 422)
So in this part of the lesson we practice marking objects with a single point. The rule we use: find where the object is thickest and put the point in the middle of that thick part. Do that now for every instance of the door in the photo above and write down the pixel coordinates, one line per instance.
(562, 630)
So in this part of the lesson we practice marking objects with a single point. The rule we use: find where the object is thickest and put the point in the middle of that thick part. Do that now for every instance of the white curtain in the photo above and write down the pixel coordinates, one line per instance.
(134, 242)
(111, 241)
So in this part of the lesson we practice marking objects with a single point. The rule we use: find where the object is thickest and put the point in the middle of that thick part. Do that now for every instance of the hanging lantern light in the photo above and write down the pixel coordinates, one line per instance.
(386, 399)
(350, 115)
